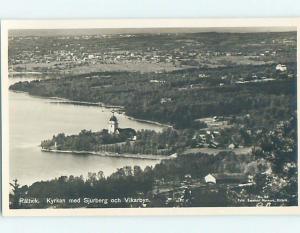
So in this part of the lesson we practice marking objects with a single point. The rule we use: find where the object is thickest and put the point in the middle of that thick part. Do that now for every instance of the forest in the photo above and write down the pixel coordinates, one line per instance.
(276, 150)
(179, 97)
(148, 142)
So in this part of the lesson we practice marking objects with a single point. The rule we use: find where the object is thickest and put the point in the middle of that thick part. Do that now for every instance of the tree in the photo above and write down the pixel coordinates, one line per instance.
(279, 148)
(100, 175)
(137, 171)
(16, 194)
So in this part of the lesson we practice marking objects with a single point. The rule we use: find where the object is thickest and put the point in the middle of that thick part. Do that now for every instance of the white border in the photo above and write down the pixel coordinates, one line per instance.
(129, 23)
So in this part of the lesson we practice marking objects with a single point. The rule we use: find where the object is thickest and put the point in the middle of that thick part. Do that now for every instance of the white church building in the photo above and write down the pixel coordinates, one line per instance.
(113, 128)
(113, 124)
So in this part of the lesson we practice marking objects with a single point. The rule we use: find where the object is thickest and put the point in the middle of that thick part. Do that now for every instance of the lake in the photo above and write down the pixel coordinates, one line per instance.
(33, 119)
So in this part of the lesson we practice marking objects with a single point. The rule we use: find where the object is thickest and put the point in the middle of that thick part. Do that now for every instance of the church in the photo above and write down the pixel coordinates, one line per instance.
(113, 124)
(113, 128)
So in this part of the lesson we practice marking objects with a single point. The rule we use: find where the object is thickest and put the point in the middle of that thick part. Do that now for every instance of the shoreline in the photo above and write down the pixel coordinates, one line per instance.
(99, 104)
(110, 154)
(25, 72)
(215, 151)
(149, 122)
(68, 101)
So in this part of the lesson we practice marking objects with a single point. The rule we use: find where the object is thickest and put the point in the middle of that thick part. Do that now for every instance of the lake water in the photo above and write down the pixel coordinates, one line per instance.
(33, 119)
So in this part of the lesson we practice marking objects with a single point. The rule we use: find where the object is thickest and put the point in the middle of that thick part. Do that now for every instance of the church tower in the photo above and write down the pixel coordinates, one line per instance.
(112, 124)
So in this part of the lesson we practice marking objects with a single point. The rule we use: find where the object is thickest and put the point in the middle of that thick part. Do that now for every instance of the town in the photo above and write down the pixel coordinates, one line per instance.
(86, 53)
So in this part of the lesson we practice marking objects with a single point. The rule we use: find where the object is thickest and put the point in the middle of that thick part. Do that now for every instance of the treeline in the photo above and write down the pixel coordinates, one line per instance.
(178, 97)
(147, 142)
(86, 140)
(279, 179)
(273, 164)
(127, 181)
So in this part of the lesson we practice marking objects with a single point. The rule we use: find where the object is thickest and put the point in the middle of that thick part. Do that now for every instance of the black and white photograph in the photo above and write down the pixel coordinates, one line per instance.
(172, 117)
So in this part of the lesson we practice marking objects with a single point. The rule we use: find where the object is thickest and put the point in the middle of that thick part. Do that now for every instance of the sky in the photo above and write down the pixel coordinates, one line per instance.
(73, 32)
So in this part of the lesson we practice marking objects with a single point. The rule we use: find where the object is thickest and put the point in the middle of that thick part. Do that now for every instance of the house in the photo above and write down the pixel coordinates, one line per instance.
(202, 137)
(214, 144)
(127, 132)
(165, 100)
(281, 67)
(216, 133)
(210, 179)
(228, 178)
(173, 156)
(231, 146)
(157, 81)
(187, 176)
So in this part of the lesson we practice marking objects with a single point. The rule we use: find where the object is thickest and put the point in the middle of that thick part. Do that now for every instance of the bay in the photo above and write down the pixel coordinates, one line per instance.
(33, 119)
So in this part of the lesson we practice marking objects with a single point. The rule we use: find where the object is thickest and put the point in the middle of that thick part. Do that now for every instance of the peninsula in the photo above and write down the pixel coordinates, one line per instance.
(114, 142)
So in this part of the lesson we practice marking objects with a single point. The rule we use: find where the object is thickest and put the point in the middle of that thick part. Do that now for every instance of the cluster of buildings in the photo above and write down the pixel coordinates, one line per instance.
(229, 178)
(76, 49)
(180, 193)
(61, 50)
(207, 137)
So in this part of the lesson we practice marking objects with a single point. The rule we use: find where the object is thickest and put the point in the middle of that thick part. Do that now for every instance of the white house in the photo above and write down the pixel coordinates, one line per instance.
(228, 178)
(173, 155)
(231, 146)
(281, 67)
(210, 179)
(165, 100)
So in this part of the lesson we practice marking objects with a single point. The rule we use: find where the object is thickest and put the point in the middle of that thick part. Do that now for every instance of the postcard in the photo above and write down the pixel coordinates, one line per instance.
(135, 117)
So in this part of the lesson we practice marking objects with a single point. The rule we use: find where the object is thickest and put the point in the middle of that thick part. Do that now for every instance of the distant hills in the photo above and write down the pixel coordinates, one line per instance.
(107, 31)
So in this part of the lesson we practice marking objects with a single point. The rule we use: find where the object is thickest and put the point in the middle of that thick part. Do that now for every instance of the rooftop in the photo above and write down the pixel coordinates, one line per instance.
(113, 118)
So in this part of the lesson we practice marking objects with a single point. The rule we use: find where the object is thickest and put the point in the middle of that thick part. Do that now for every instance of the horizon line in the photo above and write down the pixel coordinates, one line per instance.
(120, 31)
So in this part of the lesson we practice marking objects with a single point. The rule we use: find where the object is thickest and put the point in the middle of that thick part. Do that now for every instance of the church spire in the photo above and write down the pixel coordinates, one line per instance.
(112, 124)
